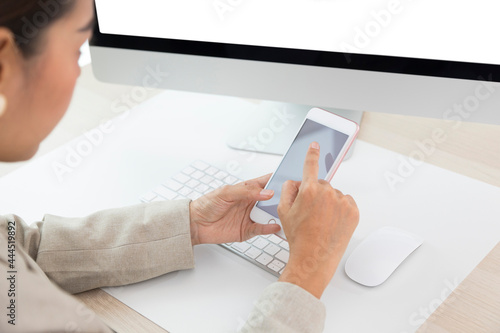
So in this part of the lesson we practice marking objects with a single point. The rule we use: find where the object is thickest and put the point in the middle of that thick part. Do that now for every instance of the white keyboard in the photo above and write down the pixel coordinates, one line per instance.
(269, 252)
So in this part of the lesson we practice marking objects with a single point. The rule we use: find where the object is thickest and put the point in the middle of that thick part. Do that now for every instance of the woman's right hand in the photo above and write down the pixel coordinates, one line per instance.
(318, 222)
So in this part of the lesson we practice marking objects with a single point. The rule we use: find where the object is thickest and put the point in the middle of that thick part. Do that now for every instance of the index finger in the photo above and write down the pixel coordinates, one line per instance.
(311, 164)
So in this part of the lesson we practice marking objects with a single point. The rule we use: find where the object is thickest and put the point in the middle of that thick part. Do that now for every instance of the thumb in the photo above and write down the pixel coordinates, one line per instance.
(257, 229)
(250, 191)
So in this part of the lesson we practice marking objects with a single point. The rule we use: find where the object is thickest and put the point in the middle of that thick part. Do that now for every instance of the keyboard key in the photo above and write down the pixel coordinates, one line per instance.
(185, 191)
(260, 243)
(283, 255)
(216, 183)
(207, 179)
(221, 175)
(264, 259)
(194, 195)
(211, 171)
(275, 239)
(272, 249)
(284, 244)
(148, 197)
(165, 192)
(182, 178)
(200, 165)
(230, 180)
(192, 183)
(253, 252)
(189, 170)
(251, 240)
(202, 188)
(276, 265)
(173, 185)
(197, 174)
(242, 247)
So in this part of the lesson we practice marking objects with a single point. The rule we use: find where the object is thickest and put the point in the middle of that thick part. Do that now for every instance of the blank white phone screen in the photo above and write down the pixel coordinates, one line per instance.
(292, 165)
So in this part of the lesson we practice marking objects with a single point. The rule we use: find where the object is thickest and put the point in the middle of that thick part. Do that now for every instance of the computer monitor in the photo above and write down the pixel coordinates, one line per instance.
(418, 58)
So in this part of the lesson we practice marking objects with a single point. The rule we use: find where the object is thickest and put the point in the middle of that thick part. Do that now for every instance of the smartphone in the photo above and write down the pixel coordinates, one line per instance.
(335, 136)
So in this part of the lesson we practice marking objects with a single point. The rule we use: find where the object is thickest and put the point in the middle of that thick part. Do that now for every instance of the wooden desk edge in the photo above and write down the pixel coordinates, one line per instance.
(475, 292)
(118, 316)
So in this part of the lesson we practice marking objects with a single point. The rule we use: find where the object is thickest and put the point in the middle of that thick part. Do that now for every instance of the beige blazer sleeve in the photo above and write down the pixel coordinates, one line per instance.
(112, 247)
(285, 307)
(30, 302)
(109, 248)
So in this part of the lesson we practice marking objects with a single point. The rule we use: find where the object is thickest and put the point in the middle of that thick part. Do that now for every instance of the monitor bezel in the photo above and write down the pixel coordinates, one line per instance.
(353, 61)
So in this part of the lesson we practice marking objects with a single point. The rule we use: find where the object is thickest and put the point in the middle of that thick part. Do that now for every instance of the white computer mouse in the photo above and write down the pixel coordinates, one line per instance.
(379, 254)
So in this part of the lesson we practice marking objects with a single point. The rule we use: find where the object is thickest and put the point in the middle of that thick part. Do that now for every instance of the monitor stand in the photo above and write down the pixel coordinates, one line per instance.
(269, 127)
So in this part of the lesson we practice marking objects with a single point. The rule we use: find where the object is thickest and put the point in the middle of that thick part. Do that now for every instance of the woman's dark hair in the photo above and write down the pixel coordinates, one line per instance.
(28, 20)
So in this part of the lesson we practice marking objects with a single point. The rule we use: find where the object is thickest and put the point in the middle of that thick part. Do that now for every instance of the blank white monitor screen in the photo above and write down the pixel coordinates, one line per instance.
(442, 30)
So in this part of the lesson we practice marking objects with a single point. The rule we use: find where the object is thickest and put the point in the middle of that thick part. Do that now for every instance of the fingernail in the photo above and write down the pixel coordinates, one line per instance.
(266, 193)
(315, 145)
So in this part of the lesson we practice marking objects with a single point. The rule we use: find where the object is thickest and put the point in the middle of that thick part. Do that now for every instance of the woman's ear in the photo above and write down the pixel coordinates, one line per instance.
(9, 56)
(9, 53)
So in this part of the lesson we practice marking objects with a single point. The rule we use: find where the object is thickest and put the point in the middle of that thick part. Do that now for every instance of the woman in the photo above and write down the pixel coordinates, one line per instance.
(39, 50)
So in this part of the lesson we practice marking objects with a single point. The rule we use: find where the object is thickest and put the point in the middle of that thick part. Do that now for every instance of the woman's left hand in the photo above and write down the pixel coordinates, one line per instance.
(223, 216)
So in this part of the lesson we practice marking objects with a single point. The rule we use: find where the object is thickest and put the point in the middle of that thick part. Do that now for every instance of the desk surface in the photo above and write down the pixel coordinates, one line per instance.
(464, 152)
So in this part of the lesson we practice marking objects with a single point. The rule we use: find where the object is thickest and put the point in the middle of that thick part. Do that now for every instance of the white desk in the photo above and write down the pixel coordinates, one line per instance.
(167, 133)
